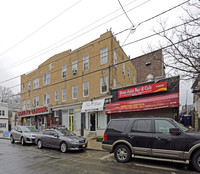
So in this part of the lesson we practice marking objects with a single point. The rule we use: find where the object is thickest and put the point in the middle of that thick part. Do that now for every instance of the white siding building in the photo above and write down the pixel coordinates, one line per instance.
(3, 117)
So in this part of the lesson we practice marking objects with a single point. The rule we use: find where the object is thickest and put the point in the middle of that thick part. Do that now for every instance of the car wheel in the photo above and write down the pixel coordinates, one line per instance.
(12, 139)
(196, 161)
(22, 141)
(122, 153)
(39, 144)
(63, 147)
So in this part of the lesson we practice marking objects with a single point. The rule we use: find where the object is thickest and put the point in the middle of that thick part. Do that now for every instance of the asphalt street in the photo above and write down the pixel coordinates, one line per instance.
(18, 159)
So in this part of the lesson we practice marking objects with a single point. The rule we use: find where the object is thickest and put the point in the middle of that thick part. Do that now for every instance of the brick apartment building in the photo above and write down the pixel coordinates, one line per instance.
(72, 88)
(149, 66)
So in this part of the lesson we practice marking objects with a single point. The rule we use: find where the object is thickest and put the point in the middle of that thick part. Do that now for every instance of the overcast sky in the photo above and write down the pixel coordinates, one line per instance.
(33, 31)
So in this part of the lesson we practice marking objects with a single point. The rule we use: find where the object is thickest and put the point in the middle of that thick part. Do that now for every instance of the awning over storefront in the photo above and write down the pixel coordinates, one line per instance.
(148, 103)
(95, 105)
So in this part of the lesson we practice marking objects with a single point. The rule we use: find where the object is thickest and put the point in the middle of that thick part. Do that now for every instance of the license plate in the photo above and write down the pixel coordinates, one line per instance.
(83, 145)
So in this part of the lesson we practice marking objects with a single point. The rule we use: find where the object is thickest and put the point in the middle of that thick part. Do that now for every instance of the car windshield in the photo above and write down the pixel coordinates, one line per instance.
(32, 129)
(183, 128)
(25, 129)
(66, 132)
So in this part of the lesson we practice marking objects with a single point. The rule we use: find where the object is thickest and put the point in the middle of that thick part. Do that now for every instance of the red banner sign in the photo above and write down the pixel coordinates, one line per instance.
(149, 103)
(33, 111)
(141, 90)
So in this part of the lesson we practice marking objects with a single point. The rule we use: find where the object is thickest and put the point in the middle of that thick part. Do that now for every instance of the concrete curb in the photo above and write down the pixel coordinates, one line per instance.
(5, 138)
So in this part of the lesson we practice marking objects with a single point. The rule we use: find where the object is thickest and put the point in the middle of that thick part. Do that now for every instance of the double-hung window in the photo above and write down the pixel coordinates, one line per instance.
(46, 78)
(29, 85)
(23, 88)
(74, 91)
(36, 83)
(104, 84)
(85, 63)
(64, 94)
(115, 84)
(46, 99)
(36, 101)
(56, 95)
(128, 72)
(23, 104)
(85, 89)
(104, 55)
(28, 103)
(115, 58)
(74, 66)
(64, 71)
(123, 68)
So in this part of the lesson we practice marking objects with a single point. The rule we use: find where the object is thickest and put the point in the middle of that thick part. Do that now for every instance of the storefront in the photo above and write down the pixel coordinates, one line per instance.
(82, 118)
(41, 117)
(155, 98)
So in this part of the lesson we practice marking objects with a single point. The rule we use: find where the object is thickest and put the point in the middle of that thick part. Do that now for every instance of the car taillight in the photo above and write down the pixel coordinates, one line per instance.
(105, 137)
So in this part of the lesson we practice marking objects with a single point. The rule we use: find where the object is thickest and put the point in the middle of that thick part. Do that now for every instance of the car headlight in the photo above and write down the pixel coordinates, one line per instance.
(74, 141)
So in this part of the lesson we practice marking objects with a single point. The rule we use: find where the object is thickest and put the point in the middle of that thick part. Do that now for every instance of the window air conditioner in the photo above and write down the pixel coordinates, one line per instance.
(74, 71)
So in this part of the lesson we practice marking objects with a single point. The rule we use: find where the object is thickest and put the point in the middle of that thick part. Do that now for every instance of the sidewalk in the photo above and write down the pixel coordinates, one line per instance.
(92, 143)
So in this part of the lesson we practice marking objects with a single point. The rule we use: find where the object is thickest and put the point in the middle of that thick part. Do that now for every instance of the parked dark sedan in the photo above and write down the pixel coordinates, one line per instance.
(61, 139)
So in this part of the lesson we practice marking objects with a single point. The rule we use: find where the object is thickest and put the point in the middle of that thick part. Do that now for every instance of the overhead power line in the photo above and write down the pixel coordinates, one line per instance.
(101, 69)
(31, 58)
(136, 42)
(41, 27)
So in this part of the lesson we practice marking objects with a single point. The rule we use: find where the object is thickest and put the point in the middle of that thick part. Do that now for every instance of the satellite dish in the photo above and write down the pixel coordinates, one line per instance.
(150, 77)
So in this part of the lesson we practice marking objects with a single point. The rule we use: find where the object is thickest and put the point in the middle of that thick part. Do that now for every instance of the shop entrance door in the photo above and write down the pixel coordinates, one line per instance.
(71, 120)
(92, 122)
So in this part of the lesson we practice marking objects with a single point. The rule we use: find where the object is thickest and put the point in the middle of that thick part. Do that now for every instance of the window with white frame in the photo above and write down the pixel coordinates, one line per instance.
(85, 89)
(36, 83)
(23, 88)
(2, 125)
(104, 55)
(29, 85)
(134, 79)
(64, 94)
(36, 101)
(46, 78)
(123, 68)
(56, 95)
(23, 104)
(128, 72)
(115, 84)
(115, 58)
(74, 91)
(85, 63)
(104, 84)
(74, 66)
(46, 99)
(64, 71)
(28, 103)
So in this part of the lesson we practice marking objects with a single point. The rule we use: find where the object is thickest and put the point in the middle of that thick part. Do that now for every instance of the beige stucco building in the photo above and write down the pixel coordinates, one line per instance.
(72, 88)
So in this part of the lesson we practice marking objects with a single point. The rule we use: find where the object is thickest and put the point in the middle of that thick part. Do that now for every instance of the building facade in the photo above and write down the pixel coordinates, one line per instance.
(3, 117)
(72, 88)
(155, 98)
(149, 66)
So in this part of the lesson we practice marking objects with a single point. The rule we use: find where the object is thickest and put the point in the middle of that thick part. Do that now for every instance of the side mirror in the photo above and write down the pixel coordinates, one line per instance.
(175, 131)
(56, 135)
(20, 131)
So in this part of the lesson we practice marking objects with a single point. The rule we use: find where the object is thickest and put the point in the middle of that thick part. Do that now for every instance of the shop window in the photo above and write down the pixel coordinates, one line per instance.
(85, 63)
(104, 84)
(104, 55)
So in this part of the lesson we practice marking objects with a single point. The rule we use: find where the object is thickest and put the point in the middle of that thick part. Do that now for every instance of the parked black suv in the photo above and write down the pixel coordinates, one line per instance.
(162, 138)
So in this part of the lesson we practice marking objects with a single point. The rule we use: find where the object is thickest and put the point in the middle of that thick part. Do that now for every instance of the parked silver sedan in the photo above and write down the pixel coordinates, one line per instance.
(24, 134)
(60, 139)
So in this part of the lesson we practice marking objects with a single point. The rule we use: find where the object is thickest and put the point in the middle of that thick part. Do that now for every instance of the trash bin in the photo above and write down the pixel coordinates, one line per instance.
(187, 120)
(6, 134)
